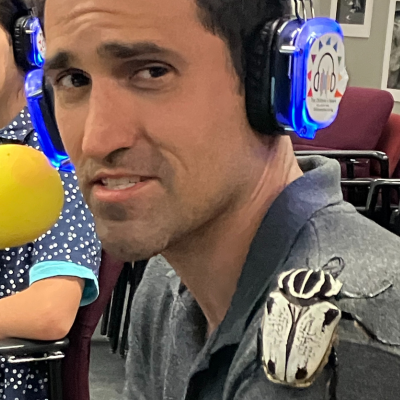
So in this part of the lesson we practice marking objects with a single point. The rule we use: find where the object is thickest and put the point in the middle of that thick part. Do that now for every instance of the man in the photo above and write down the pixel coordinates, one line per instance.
(42, 284)
(150, 102)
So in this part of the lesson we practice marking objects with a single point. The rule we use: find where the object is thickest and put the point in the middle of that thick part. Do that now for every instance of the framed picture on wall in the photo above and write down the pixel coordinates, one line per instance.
(354, 16)
(391, 59)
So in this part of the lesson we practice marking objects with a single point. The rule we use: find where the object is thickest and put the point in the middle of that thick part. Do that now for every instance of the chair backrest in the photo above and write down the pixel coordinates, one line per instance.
(363, 113)
(77, 360)
(362, 116)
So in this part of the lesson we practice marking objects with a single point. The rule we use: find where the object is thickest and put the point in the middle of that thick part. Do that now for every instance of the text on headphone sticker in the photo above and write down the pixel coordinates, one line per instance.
(326, 77)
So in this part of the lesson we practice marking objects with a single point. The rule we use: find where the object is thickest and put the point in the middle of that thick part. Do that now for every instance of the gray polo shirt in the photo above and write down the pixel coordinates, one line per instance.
(170, 357)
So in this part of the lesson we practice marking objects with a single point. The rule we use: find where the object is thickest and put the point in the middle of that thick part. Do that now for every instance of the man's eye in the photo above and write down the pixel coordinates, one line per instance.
(74, 80)
(152, 73)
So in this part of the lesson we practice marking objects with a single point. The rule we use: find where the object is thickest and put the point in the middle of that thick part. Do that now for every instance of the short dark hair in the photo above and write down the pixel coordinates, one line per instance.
(10, 11)
(39, 8)
(236, 22)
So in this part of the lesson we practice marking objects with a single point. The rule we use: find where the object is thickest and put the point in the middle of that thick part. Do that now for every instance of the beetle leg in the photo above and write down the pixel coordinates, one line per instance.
(352, 317)
(333, 381)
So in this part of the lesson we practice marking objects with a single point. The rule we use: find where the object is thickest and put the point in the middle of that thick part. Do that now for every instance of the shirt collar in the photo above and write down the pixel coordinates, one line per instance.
(318, 188)
(19, 128)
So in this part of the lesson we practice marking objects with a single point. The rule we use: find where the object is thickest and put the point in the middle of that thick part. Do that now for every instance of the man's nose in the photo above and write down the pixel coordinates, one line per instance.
(109, 125)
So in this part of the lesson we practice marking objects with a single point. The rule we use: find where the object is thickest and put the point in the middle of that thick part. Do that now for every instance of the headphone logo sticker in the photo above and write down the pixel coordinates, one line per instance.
(326, 77)
(41, 44)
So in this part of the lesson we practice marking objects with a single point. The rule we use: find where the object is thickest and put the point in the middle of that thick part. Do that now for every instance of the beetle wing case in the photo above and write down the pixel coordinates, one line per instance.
(296, 340)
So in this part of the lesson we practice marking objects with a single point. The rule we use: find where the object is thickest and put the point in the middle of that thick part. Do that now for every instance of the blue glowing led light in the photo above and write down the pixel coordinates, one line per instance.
(34, 94)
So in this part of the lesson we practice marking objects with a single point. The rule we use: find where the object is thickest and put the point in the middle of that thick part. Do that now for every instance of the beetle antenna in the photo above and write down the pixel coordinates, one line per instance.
(334, 266)
(347, 295)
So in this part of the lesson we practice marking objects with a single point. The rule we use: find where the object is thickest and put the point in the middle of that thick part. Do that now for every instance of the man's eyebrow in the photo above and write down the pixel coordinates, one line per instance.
(119, 50)
(109, 51)
(61, 60)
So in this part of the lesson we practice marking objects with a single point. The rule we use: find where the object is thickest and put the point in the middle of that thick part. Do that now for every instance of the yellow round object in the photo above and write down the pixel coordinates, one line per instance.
(31, 195)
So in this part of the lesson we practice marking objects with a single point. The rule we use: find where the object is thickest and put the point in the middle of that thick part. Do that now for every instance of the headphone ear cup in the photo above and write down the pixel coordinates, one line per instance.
(17, 43)
(28, 43)
(21, 44)
(258, 81)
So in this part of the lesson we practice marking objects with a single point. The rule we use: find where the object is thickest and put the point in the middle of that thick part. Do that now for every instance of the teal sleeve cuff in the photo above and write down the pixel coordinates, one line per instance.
(50, 269)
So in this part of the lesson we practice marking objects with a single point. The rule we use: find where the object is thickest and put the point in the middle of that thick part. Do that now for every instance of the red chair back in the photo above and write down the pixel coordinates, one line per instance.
(362, 116)
(77, 360)
(363, 113)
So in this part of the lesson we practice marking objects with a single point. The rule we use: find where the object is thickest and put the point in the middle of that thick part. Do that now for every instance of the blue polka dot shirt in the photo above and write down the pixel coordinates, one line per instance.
(69, 248)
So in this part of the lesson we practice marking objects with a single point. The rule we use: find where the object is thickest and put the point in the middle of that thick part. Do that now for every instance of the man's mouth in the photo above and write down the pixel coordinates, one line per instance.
(120, 183)
(119, 187)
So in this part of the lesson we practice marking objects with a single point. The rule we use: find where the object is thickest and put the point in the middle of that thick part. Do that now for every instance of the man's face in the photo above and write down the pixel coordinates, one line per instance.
(150, 112)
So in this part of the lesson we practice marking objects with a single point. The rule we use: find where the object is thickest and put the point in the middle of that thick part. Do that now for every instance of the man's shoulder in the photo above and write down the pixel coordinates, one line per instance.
(370, 252)
(371, 256)
(340, 231)
(371, 275)
(332, 222)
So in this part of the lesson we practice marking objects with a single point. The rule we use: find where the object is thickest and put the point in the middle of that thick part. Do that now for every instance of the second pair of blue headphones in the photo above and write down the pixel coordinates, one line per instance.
(295, 79)
(28, 41)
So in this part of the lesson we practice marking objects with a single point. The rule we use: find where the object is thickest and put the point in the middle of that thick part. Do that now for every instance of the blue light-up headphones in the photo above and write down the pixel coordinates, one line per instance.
(28, 42)
(29, 52)
(39, 94)
(287, 57)
(29, 48)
